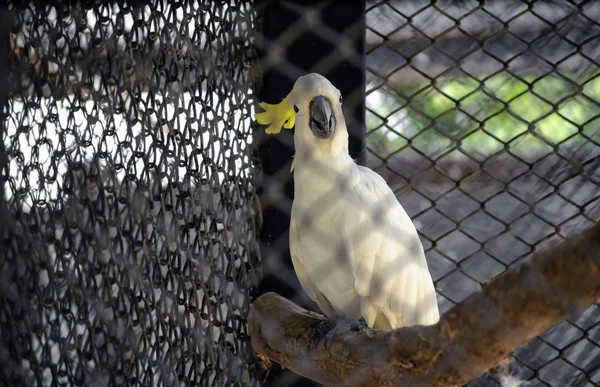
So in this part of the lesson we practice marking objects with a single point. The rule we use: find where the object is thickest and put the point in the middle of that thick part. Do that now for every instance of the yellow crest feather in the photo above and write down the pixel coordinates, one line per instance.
(276, 116)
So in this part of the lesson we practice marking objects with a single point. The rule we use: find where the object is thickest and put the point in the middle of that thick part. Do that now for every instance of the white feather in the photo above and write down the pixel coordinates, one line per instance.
(354, 248)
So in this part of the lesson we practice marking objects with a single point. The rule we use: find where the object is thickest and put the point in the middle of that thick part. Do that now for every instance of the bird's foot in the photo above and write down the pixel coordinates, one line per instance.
(332, 327)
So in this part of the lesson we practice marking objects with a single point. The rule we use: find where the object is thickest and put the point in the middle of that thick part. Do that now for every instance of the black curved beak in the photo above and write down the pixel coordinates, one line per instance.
(322, 118)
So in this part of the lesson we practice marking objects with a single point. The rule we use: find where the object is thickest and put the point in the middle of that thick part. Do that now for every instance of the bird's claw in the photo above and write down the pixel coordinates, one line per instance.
(332, 327)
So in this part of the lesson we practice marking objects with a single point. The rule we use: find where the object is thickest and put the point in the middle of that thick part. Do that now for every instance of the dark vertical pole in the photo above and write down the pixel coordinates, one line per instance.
(11, 346)
(5, 26)
(330, 43)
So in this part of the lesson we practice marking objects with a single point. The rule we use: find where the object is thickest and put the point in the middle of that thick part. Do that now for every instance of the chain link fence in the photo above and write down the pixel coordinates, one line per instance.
(485, 120)
(131, 224)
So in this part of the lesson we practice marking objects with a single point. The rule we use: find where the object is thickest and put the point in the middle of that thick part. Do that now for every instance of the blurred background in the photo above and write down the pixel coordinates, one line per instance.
(142, 209)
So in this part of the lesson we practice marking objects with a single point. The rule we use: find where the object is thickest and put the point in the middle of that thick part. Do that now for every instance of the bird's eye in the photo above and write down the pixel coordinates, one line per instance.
(341, 99)
(296, 109)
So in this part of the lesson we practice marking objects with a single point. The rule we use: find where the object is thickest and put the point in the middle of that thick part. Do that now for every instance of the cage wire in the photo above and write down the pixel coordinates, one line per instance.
(129, 249)
(130, 216)
(484, 119)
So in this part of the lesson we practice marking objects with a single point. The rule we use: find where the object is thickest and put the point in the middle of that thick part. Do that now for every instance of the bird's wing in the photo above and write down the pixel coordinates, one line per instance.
(389, 263)
(309, 288)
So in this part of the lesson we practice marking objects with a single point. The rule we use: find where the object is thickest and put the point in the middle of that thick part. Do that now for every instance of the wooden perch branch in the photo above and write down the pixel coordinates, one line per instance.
(469, 340)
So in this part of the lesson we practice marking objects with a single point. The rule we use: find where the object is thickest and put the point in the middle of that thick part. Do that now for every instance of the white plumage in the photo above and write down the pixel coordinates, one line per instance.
(354, 249)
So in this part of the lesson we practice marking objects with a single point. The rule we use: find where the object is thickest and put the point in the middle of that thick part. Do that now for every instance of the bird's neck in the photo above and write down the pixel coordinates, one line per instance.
(306, 168)
(318, 179)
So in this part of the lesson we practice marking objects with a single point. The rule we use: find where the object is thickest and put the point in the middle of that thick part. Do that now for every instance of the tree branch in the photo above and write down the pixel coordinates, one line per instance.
(469, 340)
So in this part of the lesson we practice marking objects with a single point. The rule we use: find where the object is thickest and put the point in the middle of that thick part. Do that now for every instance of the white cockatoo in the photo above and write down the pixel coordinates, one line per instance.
(354, 249)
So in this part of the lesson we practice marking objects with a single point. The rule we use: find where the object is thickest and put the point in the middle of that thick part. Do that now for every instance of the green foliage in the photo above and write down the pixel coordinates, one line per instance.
(532, 113)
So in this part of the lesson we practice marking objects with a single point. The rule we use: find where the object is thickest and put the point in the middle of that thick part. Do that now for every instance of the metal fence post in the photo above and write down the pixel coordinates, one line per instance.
(4, 84)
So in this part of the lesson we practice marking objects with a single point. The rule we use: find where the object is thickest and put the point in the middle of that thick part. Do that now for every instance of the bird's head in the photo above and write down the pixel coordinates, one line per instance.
(314, 106)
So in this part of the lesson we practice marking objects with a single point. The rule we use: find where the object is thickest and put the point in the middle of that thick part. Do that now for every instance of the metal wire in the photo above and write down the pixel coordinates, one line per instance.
(490, 137)
(130, 251)
(130, 216)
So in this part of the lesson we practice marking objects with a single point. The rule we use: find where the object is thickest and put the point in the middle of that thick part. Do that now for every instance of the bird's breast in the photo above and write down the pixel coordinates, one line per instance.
(326, 253)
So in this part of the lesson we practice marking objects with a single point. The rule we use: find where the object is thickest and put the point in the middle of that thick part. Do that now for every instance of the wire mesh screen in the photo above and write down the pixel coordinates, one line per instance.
(485, 120)
(129, 242)
(130, 216)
